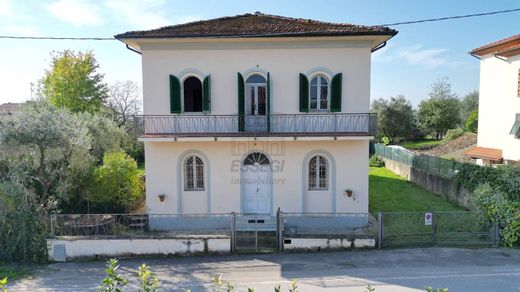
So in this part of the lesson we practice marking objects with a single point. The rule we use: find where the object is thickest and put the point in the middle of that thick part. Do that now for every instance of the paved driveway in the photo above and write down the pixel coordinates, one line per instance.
(386, 270)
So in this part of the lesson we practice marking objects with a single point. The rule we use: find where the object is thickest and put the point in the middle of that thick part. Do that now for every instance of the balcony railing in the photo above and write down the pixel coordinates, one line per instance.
(336, 124)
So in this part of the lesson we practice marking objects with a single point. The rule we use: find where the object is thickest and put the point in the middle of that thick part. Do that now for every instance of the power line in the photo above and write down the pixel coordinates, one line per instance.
(450, 17)
(385, 24)
(56, 38)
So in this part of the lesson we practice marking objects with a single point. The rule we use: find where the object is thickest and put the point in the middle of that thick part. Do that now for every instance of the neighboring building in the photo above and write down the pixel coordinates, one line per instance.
(499, 102)
(257, 112)
(9, 108)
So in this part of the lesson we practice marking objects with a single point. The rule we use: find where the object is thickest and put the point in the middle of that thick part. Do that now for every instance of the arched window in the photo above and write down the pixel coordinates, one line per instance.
(192, 94)
(256, 95)
(318, 173)
(193, 174)
(319, 95)
(256, 158)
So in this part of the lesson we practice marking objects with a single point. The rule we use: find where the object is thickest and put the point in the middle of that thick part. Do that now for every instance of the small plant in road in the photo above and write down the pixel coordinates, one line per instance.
(148, 280)
(3, 283)
(430, 289)
(370, 289)
(113, 282)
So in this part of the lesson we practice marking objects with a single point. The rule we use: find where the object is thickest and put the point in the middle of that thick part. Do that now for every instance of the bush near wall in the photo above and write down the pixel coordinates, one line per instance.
(497, 194)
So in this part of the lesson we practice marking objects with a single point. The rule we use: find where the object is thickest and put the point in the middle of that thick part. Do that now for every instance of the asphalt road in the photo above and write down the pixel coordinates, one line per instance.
(385, 270)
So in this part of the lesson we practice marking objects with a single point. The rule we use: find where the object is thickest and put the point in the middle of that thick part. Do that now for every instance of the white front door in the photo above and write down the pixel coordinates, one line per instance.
(256, 178)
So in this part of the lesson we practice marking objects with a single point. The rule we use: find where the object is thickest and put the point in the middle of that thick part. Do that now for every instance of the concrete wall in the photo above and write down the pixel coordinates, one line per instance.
(316, 244)
(84, 248)
(348, 168)
(498, 105)
(436, 184)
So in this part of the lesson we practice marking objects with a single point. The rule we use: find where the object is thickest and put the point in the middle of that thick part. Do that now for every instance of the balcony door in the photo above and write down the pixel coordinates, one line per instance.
(256, 104)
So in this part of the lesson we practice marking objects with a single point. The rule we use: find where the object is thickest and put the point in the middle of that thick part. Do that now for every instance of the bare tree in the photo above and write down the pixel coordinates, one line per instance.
(125, 101)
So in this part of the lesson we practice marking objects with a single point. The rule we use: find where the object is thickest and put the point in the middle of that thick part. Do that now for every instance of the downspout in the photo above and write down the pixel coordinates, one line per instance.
(378, 47)
(132, 49)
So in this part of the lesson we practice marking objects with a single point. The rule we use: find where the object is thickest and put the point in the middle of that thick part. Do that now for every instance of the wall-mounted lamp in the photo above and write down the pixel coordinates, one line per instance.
(162, 197)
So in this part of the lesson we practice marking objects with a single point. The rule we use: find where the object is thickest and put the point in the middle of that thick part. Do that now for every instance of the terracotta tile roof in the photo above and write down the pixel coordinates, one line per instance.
(485, 153)
(498, 46)
(257, 25)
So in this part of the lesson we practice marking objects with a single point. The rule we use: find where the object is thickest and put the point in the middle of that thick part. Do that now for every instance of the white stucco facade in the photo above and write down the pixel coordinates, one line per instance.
(340, 161)
(499, 104)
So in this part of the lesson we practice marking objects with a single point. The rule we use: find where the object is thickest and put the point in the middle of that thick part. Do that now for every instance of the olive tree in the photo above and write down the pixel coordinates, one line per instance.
(396, 117)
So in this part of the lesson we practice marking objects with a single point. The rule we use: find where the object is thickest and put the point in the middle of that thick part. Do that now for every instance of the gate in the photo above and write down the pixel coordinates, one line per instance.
(254, 233)
(405, 229)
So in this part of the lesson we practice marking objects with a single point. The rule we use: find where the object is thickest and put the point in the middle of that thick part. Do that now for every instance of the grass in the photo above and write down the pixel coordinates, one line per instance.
(14, 271)
(421, 144)
(392, 193)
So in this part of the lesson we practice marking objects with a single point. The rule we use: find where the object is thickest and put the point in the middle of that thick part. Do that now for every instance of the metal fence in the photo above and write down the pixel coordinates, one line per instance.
(260, 232)
(436, 165)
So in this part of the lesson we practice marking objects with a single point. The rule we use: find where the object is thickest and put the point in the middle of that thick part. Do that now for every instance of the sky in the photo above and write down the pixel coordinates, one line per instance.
(418, 56)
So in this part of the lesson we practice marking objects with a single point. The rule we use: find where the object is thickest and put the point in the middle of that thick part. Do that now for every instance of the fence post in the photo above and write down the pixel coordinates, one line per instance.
(379, 230)
(233, 231)
(496, 233)
(279, 229)
(53, 230)
(434, 228)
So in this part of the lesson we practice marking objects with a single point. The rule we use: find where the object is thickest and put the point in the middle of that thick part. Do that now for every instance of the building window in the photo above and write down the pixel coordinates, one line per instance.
(319, 95)
(318, 173)
(193, 174)
(192, 94)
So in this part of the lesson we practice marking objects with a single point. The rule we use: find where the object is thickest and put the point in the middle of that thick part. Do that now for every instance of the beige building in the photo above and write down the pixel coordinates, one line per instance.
(499, 102)
(257, 112)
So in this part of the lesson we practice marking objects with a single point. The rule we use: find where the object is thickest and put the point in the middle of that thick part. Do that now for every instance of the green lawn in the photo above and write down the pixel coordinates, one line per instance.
(421, 144)
(392, 193)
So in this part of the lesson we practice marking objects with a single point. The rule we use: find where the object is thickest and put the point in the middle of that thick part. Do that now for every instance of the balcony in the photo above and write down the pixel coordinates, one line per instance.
(280, 125)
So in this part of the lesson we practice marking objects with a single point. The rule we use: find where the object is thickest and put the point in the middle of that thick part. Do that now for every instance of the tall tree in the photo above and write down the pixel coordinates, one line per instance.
(395, 117)
(468, 104)
(124, 100)
(72, 82)
(441, 111)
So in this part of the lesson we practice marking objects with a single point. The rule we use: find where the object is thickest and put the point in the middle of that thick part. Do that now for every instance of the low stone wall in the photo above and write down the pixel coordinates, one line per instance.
(76, 248)
(436, 184)
(315, 244)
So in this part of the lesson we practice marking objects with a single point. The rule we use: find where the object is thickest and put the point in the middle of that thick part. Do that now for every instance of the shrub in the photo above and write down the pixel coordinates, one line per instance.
(376, 161)
(453, 134)
(118, 183)
(113, 282)
(496, 206)
(505, 179)
(148, 280)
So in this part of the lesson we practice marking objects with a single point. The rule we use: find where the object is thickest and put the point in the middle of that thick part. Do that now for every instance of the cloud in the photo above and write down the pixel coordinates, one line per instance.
(144, 14)
(139, 14)
(417, 55)
(77, 12)
(6, 9)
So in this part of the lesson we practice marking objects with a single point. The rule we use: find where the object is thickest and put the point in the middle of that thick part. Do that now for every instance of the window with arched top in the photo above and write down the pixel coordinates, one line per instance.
(318, 173)
(193, 174)
(192, 87)
(319, 93)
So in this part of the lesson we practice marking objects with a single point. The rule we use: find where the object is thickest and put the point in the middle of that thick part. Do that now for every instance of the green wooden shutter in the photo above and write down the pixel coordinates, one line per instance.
(304, 93)
(268, 102)
(206, 98)
(175, 95)
(335, 95)
(241, 118)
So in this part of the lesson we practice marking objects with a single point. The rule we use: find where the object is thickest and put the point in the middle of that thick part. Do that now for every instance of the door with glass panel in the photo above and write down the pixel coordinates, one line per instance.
(256, 104)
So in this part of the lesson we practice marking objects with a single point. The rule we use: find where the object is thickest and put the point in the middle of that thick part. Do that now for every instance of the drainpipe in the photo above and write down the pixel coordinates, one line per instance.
(378, 47)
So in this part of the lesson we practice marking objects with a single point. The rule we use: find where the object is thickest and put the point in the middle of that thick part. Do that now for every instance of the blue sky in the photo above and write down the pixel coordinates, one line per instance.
(416, 57)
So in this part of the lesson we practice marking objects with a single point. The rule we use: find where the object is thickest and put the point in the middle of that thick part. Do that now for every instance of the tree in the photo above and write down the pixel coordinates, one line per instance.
(43, 150)
(468, 104)
(441, 111)
(395, 117)
(72, 82)
(118, 182)
(472, 122)
(124, 100)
